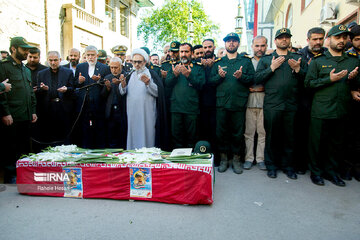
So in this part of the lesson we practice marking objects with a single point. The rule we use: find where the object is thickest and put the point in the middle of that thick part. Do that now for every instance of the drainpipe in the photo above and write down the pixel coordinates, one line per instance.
(46, 27)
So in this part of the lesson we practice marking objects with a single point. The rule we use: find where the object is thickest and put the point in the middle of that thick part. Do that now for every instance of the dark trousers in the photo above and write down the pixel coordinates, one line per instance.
(351, 162)
(15, 142)
(93, 130)
(183, 130)
(116, 128)
(279, 145)
(302, 124)
(230, 127)
(326, 138)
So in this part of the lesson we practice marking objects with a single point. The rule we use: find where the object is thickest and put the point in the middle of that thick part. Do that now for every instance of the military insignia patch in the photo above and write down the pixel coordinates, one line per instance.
(342, 28)
(283, 30)
(202, 149)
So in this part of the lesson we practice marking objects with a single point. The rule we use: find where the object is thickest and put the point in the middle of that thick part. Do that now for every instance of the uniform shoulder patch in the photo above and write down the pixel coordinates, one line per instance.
(247, 56)
(165, 61)
(218, 59)
(352, 54)
(4, 60)
(198, 63)
(155, 65)
(318, 55)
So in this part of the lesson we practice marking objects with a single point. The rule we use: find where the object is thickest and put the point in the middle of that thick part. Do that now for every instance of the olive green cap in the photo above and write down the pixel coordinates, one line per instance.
(146, 50)
(20, 42)
(283, 31)
(231, 36)
(174, 46)
(202, 147)
(102, 55)
(337, 30)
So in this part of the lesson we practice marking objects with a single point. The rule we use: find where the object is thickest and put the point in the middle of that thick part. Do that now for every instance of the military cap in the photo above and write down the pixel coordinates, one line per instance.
(174, 46)
(146, 50)
(283, 31)
(119, 49)
(202, 147)
(355, 31)
(352, 24)
(337, 30)
(231, 36)
(102, 55)
(20, 42)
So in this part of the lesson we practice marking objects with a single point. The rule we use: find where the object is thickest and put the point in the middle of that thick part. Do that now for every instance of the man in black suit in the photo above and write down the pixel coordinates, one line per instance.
(55, 101)
(89, 77)
(74, 58)
(115, 105)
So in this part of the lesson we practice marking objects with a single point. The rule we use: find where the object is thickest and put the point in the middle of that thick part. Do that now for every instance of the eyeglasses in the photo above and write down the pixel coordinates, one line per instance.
(137, 62)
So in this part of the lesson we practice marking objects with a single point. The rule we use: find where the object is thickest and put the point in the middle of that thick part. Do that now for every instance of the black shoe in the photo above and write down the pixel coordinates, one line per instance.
(336, 180)
(346, 176)
(291, 174)
(301, 172)
(316, 179)
(271, 174)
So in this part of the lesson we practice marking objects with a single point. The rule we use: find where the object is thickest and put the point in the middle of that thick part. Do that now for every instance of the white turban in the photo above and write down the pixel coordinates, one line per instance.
(141, 52)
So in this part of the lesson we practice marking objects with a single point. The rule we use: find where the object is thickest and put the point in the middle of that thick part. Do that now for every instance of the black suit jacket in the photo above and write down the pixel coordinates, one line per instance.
(109, 96)
(95, 103)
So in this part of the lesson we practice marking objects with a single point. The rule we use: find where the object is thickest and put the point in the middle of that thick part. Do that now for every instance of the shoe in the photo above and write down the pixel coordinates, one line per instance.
(317, 180)
(261, 166)
(336, 180)
(291, 174)
(247, 165)
(272, 174)
(236, 165)
(224, 163)
(346, 176)
(301, 172)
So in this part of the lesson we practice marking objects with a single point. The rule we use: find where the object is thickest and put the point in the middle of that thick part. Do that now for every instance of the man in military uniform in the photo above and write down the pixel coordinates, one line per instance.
(198, 52)
(185, 80)
(331, 75)
(233, 75)
(17, 107)
(120, 52)
(280, 72)
(102, 56)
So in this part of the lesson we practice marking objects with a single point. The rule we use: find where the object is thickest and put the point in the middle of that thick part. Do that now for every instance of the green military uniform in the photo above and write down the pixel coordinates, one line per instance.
(231, 99)
(280, 105)
(155, 68)
(330, 106)
(20, 103)
(184, 106)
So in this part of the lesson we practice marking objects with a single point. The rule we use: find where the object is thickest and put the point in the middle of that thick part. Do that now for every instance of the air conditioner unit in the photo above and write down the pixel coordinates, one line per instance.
(328, 12)
(355, 2)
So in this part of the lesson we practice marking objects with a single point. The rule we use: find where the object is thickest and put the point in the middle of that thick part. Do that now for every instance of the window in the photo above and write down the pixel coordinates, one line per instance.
(124, 20)
(80, 3)
(111, 14)
(289, 17)
(304, 4)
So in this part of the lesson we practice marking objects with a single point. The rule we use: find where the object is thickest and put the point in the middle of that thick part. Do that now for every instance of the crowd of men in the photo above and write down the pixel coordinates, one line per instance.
(280, 109)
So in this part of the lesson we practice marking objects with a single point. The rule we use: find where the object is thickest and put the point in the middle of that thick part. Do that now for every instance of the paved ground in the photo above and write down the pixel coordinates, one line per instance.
(246, 206)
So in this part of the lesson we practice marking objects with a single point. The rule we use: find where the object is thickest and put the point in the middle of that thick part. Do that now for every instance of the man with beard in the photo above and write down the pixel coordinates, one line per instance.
(174, 59)
(207, 118)
(55, 101)
(154, 58)
(233, 75)
(281, 73)
(17, 107)
(254, 122)
(88, 77)
(198, 52)
(315, 39)
(74, 58)
(351, 165)
(33, 63)
(114, 111)
(331, 75)
(186, 80)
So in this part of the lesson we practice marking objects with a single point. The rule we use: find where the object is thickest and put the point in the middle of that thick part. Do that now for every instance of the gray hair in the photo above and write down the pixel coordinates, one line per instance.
(116, 59)
(74, 50)
(260, 37)
(54, 53)
(91, 48)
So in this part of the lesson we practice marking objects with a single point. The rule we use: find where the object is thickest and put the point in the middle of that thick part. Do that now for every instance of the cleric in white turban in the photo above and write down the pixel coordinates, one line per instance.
(144, 103)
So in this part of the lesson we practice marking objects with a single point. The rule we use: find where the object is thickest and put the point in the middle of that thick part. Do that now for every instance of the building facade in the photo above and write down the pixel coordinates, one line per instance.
(64, 24)
(301, 15)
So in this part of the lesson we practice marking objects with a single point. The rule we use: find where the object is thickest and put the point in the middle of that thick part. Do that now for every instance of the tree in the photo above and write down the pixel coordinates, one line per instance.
(170, 22)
